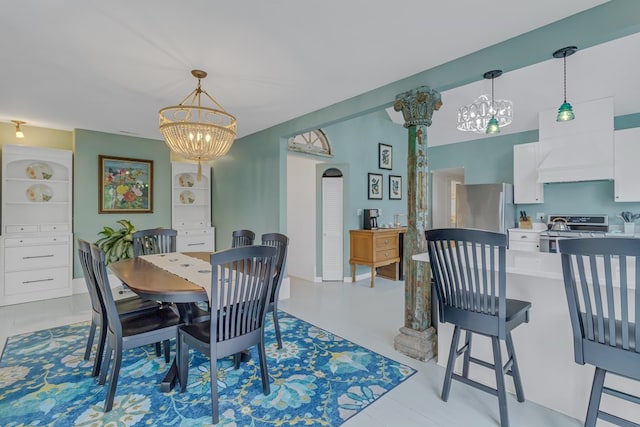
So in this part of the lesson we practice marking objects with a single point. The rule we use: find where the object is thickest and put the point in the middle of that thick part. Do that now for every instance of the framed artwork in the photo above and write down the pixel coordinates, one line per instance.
(395, 187)
(374, 186)
(385, 156)
(125, 185)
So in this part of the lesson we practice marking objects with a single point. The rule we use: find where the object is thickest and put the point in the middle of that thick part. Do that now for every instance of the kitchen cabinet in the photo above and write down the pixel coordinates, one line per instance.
(626, 170)
(521, 239)
(37, 243)
(526, 188)
(375, 248)
(191, 208)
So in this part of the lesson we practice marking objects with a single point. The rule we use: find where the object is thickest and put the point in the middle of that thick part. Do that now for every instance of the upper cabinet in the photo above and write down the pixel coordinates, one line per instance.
(578, 150)
(627, 172)
(526, 188)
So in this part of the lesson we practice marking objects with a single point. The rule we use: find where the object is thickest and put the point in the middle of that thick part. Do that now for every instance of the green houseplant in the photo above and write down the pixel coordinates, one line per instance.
(117, 244)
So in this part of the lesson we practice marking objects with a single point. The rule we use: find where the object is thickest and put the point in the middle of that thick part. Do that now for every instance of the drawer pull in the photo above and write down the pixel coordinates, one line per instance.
(195, 244)
(386, 242)
(523, 237)
(386, 254)
(37, 281)
(37, 256)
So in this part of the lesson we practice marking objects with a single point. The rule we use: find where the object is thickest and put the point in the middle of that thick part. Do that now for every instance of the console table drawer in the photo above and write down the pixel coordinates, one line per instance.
(387, 241)
(386, 254)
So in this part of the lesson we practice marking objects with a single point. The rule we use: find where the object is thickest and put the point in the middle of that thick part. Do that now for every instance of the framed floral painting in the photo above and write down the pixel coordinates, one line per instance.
(375, 186)
(125, 185)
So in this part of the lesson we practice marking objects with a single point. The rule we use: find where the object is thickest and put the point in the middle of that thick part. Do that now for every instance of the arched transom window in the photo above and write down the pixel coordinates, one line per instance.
(312, 142)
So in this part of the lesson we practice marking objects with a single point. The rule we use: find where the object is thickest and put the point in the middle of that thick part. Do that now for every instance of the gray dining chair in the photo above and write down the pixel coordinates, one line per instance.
(246, 275)
(281, 243)
(129, 332)
(468, 269)
(241, 238)
(125, 306)
(602, 284)
(154, 241)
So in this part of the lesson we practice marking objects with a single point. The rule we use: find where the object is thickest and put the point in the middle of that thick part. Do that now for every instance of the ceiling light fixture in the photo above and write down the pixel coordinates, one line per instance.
(565, 112)
(477, 116)
(196, 132)
(19, 133)
(493, 126)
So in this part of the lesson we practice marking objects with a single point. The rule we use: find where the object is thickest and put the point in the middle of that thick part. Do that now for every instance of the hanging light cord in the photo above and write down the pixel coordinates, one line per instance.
(564, 59)
(493, 102)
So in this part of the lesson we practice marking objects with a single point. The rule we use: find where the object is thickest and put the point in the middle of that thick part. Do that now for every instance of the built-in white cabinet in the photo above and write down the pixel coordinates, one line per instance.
(521, 239)
(37, 242)
(626, 170)
(526, 188)
(191, 207)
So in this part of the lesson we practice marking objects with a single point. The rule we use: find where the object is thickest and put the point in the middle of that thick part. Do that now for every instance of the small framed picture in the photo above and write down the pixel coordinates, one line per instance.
(385, 156)
(395, 187)
(374, 186)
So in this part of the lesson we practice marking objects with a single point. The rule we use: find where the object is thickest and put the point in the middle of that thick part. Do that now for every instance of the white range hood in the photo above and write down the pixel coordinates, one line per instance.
(578, 150)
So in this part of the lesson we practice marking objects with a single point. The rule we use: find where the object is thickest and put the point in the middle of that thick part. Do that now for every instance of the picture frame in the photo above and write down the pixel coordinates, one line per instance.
(374, 186)
(125, 185)
(395, 187)
(385, 156)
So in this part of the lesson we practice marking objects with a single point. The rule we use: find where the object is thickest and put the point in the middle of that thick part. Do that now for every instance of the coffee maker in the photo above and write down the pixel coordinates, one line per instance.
(370, 217)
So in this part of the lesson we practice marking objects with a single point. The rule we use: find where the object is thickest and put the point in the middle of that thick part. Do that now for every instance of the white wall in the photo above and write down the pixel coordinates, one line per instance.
(301, 216)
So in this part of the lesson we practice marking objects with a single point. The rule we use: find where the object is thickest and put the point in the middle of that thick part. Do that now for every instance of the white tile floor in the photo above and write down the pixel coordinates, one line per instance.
(369, 317)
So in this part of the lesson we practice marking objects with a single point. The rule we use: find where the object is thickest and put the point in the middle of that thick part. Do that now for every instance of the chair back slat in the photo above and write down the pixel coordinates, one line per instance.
(241, 238)
(86, 262)
(154, 241)
(602, 281)
(281, 243)
(102, 280)
(468, 269)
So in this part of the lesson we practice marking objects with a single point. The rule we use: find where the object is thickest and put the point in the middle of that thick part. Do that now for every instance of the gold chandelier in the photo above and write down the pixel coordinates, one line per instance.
(195, 132)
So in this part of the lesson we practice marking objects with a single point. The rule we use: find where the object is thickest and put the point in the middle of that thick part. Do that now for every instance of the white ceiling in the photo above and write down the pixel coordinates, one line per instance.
(111, 65)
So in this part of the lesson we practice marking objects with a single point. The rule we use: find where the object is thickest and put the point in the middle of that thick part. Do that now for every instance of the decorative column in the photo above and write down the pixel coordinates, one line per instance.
(417, 337)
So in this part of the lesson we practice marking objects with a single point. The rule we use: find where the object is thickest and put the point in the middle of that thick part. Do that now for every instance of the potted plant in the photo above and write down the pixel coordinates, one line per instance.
(117, 244)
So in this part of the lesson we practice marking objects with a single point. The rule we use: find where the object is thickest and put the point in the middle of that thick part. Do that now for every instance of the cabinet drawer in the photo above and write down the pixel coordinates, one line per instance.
(386, 242)
(36, 257)
(195, 243)
(524, 246)
(54, 227)
(34, 281)
(35, 241)
(385, 254)
(21, 229)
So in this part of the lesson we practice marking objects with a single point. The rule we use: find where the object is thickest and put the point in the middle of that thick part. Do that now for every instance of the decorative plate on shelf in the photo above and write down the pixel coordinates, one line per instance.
(39, 193)
(187, 197)
(185, 180)
(39, 170)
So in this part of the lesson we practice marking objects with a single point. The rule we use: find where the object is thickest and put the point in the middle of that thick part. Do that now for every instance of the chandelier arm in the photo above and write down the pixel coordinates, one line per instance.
(192, 93)
(213, 100)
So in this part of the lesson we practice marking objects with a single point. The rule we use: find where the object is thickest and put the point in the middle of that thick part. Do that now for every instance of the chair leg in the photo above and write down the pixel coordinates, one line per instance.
(467, 354)
(92, 333)
(158, 350)
(276, 325)
(446, 387)
(237, 358)
(100, 351)
(113, 380)
(515, 371)
(266, 388)
(167, 350)
(182, 361)
(213, 366)
(105, 364)
(500, 388)
(594, 400)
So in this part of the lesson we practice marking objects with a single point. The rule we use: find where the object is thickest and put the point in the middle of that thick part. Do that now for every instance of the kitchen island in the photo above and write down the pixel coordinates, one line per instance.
(544, 346)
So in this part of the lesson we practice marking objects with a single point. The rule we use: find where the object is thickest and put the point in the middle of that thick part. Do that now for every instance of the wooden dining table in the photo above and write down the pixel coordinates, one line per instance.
(154, 283)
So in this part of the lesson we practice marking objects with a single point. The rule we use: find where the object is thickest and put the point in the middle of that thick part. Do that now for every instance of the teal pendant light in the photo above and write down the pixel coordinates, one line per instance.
(492, 126)
(565, 112)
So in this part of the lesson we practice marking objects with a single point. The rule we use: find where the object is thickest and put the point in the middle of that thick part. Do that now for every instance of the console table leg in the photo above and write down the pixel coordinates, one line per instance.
(353, 273)
(373, 274)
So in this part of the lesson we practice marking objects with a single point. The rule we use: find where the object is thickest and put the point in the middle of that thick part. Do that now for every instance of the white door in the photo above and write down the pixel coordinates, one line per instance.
(332, 229)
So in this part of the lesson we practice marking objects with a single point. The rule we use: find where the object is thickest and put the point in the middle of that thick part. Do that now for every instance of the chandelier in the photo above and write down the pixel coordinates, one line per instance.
(195, 132)
(476, 116)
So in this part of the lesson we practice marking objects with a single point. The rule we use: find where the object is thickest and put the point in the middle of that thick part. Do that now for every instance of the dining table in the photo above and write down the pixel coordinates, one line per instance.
(169, 278)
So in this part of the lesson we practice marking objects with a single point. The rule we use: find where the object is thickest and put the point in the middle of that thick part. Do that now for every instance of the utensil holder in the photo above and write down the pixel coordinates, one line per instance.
(629, 228)
(526, 223)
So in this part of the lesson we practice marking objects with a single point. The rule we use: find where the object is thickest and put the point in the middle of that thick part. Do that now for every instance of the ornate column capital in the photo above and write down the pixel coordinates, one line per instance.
(417, 105)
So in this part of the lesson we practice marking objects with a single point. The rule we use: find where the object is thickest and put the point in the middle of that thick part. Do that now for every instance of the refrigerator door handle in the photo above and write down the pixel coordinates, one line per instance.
(501, 212)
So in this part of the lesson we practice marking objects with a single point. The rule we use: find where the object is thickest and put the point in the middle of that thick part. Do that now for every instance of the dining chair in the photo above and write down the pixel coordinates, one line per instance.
(154, 241)
(468, 269)
(602, 284)
(241, 280)
(281, 243)
(242, 238)
(125, 306)
(124, 333)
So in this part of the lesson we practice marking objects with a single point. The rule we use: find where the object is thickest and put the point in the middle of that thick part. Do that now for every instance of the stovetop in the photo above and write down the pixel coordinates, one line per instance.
(580, 226)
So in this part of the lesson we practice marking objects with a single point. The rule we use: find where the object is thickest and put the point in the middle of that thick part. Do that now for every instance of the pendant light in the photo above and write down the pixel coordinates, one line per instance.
(492, 126)
(565, 112)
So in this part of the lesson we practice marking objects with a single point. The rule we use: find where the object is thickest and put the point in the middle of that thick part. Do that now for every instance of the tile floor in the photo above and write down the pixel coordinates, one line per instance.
(369, 317)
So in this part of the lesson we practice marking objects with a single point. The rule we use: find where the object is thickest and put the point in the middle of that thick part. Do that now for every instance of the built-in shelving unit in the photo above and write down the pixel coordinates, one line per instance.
(191, 207)
(37, 242)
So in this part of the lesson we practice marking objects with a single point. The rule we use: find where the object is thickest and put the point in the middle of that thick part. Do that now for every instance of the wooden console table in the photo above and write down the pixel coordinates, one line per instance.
(375, 248)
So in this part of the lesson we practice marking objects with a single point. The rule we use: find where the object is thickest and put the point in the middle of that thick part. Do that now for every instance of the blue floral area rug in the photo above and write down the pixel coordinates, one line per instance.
(317, 379)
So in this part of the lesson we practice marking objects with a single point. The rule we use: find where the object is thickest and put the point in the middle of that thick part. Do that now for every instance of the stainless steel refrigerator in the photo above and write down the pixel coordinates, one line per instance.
(485, 206)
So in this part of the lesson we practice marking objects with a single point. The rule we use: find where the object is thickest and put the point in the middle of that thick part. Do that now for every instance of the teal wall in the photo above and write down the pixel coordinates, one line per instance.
(88, 145)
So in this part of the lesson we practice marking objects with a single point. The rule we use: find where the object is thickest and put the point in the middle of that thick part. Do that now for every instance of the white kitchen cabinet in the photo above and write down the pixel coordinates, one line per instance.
(37, 243)
(626, 170)
(191, 208)
(521, 239)
(526, 188)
